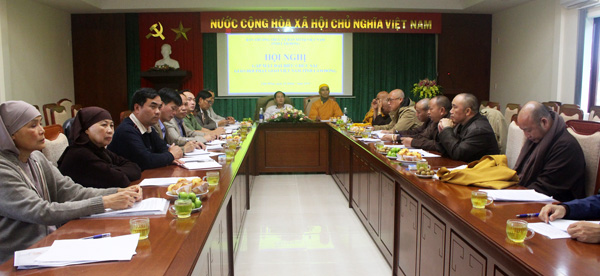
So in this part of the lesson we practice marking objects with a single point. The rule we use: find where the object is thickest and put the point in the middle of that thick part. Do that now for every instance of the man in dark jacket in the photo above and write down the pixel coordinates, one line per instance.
(467, 135)
(423, 136)
(135, 139)
(551, 160)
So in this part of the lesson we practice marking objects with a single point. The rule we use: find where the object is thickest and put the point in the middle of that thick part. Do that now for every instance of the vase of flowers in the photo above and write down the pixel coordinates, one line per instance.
(289, 115)
(426, 89)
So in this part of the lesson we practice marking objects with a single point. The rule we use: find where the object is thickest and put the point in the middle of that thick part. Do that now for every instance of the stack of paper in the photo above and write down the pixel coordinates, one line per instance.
(216, 142)
(146, 207)
(163, 181)
(555, 229)
(369, 139)
(80, 251)
(202, 165)
(517, 195)
(196, 152)
(213, 147)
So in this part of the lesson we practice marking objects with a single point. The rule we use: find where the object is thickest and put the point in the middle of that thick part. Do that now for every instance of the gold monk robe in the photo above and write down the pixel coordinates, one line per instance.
(368, 117)
(325, 110)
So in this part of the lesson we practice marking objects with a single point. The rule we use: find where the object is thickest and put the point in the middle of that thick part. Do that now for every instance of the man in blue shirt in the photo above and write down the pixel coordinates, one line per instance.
(585, 208)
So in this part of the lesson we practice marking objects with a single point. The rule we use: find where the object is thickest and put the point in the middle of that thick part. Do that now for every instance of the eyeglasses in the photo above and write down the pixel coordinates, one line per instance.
(392, 99)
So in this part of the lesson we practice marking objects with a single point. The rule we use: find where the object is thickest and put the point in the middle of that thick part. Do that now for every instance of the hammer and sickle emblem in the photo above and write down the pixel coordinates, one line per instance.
(156, 32)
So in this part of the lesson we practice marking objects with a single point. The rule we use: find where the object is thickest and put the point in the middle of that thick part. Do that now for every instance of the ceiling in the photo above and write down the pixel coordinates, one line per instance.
(130, 6)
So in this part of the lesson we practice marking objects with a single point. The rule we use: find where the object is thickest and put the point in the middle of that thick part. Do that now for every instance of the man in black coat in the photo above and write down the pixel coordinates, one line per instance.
(467, 135)
(551, 160)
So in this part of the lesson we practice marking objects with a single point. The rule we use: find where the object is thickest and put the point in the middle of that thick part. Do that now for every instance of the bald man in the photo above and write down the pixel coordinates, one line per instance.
(377, 116)
(467, 135)
(402, 113)
(551, 160)
(422, 137)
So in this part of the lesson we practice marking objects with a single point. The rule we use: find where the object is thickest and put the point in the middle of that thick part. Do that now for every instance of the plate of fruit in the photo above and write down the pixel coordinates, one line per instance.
(194, 198)
(393, 153)
(196, 186)
(425, 173)
(407, 156)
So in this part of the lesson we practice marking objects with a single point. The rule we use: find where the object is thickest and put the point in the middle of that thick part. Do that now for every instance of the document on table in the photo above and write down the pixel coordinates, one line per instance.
(425, 153)
(197, 158)
(377, 133)
(163, 181)
(202, 165)
(369, 139)
(78, 251)
(216, 142)
(555, 229)
(548, 230)
(213, 147)
(146, 207)
(517, 195)
(196, 152)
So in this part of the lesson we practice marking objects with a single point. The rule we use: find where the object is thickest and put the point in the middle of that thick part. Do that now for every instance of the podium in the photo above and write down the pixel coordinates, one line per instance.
(171, 79)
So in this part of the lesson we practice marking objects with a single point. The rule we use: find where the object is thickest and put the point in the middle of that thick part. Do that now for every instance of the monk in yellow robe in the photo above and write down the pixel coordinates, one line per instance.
(376, 110)
(324, 108)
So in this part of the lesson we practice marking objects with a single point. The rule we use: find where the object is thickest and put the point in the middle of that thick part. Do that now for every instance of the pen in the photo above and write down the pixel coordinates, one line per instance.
(528, 215)
(99, 236)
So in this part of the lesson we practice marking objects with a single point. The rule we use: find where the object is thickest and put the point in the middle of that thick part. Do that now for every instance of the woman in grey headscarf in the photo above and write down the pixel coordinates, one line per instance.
(34, 195)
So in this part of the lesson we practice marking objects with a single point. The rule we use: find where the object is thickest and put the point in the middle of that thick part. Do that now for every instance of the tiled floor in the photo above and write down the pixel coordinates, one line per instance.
(301, 225)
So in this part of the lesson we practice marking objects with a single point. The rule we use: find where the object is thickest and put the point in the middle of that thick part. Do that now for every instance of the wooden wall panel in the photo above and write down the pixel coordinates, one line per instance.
(99, 61)
(464, 51)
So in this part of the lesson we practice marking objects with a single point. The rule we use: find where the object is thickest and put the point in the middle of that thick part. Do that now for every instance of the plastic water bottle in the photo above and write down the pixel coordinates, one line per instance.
(345, 116)
(261, 116)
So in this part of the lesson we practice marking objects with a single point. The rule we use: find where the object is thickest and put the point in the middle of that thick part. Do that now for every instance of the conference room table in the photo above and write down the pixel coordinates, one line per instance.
(422, 226)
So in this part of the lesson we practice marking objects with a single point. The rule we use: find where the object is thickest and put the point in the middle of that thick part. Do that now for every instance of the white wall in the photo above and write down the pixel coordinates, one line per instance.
(534, 53)
(35, 54)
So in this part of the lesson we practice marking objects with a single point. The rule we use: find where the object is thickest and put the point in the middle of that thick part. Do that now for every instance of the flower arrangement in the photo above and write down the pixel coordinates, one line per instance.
(426, 89)
(289, 115)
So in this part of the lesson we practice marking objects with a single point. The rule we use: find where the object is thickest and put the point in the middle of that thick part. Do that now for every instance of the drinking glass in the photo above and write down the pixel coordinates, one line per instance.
(182, 208)
(516, 230)
(140, 225)
(480, 199)
(213, 177)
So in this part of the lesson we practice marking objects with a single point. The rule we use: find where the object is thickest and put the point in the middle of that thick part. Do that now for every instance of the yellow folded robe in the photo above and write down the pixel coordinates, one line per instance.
(491, 171)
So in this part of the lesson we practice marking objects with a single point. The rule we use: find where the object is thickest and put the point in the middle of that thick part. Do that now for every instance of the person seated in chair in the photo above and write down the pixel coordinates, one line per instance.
(325, 107)
(467, 135)
(279, 98)
(551, 160)
(179, 134)
(579, 209)
(171, 103)
(221, 121)
(402, 113)
(135, 139)
(377, 115)
(87, 161)
(34, 196)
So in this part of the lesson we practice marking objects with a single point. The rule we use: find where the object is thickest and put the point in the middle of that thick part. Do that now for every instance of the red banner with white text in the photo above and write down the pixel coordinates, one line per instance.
(321, 22)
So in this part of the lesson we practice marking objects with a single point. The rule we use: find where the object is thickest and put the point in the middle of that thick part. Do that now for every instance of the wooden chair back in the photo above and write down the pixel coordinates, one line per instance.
(52, 131)
(587, 134)
(58, 115)
(494, 105)
(46, 112)
(571, 113)
(514, 142)
(124, 114)
(66, 103)
(594, 114)
(552, 106)
(74, 109)
(511, 109)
